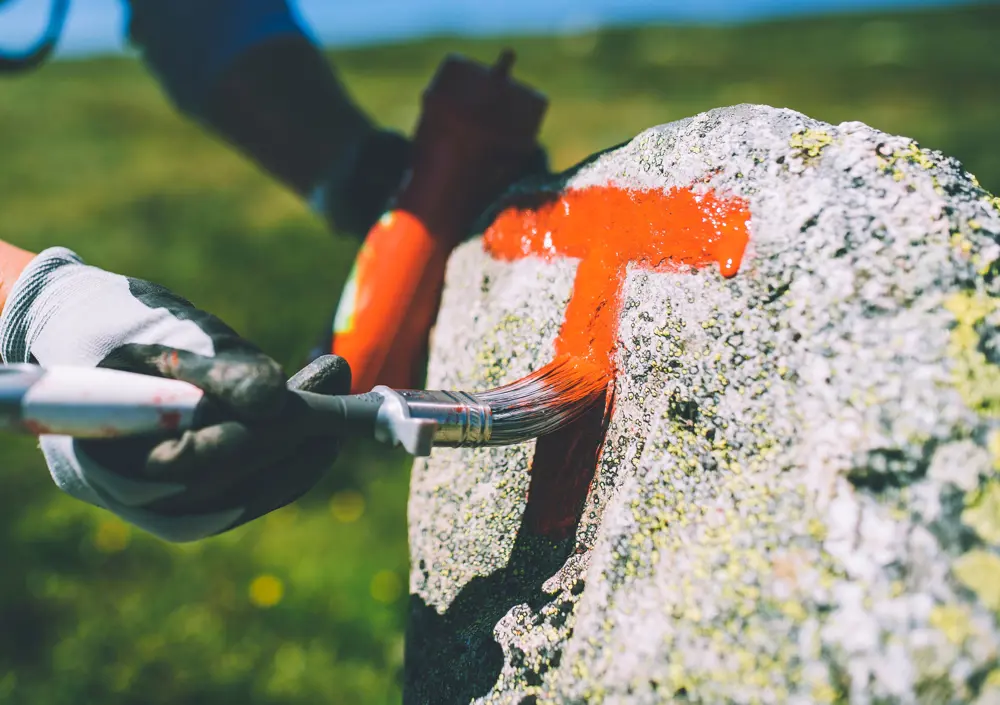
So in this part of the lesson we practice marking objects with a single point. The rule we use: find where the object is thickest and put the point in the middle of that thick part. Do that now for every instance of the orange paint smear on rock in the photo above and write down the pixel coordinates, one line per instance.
(607, 229)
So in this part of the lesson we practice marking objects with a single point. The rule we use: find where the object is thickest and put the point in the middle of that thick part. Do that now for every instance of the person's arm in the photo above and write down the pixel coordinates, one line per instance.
(13, 260)
(248, 71)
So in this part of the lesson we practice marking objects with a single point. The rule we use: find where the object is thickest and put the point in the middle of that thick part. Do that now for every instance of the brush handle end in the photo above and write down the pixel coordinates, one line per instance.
(92, 402)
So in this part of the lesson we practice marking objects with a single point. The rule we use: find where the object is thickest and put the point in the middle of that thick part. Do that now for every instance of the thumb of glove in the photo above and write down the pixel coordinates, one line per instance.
(327, 374)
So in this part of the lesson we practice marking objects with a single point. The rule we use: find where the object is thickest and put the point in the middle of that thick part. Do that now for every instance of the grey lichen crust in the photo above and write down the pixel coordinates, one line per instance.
(798, 497)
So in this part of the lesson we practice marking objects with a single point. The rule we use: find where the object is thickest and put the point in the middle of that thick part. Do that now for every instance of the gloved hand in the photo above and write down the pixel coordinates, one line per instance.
(206, 481)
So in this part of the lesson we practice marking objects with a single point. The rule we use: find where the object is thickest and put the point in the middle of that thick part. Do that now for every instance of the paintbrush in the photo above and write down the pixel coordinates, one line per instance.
(87, 402)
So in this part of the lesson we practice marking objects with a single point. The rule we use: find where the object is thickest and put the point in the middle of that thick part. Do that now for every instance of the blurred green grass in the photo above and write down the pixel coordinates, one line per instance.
(92, 157)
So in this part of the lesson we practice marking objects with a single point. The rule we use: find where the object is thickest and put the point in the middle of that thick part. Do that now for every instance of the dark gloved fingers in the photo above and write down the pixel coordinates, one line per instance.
(284, 482)
(232, 450)
(327, 374)
(259, 469)
(243, 381)
(269, 488)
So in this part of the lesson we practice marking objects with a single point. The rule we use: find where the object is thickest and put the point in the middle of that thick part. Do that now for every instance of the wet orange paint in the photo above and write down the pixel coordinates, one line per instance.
(570, 379)
(607, 229)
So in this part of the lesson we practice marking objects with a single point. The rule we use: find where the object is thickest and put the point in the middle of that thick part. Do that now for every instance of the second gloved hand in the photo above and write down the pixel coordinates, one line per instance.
(206, 481)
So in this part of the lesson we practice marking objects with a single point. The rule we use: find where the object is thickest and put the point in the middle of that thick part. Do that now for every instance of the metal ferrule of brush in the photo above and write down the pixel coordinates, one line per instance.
(461, 418)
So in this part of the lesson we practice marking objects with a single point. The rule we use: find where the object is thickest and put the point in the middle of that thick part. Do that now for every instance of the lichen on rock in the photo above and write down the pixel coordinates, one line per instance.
(796, 499)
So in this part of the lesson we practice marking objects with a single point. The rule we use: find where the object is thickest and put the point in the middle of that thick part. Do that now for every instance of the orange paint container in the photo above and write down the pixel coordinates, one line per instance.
(390, 302)
(477, 134)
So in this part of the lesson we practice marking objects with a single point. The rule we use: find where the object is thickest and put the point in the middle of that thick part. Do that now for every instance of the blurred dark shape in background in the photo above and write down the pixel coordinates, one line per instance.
(308, 605)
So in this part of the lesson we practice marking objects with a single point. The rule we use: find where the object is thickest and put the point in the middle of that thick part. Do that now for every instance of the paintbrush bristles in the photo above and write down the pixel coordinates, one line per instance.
(544, 401)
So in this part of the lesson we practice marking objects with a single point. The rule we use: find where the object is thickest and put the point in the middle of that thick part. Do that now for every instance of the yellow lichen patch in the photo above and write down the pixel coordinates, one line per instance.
(824, 693)
(911, 154)
(676, 677)
(749, 604)
(954, 621)
(995, 202)
(809, 143)
(969, 308)
(976, 379)
(982, 512)
(794, 610)
(993, 445)
(915, 155)
(507, 339)
(960, 242)
(979, 571)
(817, 529)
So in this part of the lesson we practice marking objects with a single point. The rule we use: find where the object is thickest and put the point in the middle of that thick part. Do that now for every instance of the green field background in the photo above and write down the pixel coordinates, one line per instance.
(308, 605)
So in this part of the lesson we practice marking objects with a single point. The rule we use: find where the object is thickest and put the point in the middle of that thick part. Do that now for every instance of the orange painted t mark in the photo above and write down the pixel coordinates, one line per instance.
(607, 229)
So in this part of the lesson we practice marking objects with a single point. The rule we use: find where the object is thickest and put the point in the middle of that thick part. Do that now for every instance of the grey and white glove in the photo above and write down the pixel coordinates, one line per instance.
(203, 482)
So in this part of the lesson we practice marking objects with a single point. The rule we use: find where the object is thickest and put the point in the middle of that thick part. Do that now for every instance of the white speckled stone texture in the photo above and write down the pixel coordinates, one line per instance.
(797, 500)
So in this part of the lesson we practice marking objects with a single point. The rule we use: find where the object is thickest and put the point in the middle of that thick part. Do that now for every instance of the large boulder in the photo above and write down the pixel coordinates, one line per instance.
(796, 498)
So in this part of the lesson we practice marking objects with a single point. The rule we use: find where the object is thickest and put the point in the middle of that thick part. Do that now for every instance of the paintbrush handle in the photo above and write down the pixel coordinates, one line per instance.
(341, 416)
(88, 402)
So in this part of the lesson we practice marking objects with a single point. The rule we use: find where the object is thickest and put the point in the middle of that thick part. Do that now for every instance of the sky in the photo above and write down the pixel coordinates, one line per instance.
(95, 26)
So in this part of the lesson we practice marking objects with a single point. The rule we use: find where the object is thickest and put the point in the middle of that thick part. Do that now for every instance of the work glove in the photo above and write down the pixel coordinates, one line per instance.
(202, 482)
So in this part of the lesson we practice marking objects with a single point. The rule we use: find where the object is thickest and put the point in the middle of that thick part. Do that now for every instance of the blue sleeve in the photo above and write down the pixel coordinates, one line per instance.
(189, 43)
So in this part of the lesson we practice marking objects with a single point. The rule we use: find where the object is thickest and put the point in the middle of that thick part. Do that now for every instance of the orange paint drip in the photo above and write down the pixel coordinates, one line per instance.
(607, 229)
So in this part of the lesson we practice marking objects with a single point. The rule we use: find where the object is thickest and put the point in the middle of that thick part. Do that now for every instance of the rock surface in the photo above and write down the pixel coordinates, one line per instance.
(797, 498)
